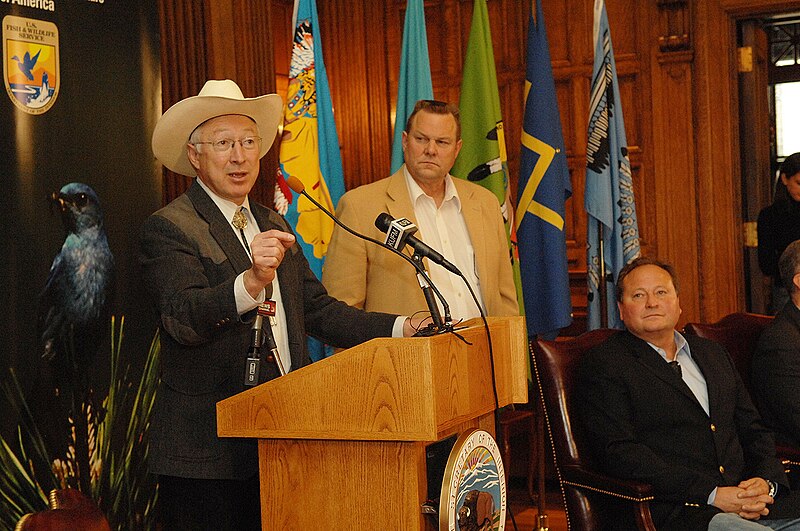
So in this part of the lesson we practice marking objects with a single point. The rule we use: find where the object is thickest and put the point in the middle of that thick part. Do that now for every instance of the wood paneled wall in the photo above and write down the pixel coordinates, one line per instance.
(677, 75)
(216, 39)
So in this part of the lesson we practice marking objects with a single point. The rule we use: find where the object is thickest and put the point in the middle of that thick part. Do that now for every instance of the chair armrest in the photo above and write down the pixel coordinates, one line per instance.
(619, 488)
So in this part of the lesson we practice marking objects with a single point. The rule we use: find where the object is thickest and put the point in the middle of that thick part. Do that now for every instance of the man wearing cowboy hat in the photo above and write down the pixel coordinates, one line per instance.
(208, 259)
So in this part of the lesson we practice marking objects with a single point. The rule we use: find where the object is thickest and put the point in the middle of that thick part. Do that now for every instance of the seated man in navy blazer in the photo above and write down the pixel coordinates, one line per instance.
(776, 362)
(672, 411)
(208, 259)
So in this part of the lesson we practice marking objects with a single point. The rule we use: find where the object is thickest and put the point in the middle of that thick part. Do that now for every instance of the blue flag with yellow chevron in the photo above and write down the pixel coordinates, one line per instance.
(415, 74)
(544, 186)
(309, 145)
(609, 184)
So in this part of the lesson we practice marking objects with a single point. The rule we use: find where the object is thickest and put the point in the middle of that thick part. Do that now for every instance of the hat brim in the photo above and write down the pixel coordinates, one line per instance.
(172, 131)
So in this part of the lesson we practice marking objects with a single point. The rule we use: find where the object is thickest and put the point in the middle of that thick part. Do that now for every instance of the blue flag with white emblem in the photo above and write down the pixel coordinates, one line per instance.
(544, 186)
(609, 184)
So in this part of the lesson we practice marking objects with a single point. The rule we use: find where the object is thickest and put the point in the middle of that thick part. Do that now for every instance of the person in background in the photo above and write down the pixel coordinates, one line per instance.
(460, 219)
(776, 362)
(778, 226)
(672, 411)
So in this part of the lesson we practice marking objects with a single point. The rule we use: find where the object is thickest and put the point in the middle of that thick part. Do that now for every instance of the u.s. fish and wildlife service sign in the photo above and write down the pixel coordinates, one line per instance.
(473, 496)
(31, 71)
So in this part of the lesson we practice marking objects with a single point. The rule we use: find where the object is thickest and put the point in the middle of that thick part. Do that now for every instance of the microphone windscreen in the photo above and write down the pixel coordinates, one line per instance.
(295, 184)
(382, 222)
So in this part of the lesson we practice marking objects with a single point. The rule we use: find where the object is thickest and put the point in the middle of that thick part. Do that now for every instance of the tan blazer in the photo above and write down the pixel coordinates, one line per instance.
(367, 276)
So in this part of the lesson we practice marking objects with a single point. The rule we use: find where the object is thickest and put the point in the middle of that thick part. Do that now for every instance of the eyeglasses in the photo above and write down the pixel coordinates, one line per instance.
(223, 145)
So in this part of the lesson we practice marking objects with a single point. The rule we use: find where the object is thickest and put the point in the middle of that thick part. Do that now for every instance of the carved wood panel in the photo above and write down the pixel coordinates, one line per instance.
(677, 83)
(216, 39)
(362, 34)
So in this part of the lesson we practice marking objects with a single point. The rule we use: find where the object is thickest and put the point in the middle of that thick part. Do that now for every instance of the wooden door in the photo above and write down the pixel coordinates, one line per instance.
(755, 134)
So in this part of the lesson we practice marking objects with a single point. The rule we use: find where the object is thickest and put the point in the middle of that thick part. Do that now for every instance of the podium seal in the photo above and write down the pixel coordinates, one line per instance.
(473, 496)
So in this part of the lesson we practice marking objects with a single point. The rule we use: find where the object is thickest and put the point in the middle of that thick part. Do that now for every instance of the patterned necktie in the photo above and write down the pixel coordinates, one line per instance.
(675, 366)
(240, 222)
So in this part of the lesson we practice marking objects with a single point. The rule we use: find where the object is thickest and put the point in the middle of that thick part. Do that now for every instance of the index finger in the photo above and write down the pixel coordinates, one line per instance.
(286, 238)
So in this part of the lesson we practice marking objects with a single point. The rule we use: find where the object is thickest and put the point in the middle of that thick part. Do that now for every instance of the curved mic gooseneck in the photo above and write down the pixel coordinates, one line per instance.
(420, 249)
(298, 187)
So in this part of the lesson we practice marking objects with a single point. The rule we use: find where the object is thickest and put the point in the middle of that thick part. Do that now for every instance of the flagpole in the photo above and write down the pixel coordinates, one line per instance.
(602, 285)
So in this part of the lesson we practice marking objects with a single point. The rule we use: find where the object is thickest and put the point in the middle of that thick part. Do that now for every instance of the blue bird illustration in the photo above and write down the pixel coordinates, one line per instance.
(74, 313)
(74, 306)
(27, 63)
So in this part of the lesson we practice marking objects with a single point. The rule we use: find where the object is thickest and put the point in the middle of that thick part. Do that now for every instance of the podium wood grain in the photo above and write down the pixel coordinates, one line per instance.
(342, 441)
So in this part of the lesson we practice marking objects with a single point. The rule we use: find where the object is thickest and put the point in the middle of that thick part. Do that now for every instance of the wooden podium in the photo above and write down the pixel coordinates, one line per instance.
(342, 441)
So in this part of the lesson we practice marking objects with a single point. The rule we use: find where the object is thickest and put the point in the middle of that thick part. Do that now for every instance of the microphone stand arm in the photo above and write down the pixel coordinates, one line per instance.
(436, 317)
(418, 266)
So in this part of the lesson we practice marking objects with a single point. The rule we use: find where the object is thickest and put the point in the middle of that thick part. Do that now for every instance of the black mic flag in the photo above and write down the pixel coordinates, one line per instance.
(399, 230)
(298, 187)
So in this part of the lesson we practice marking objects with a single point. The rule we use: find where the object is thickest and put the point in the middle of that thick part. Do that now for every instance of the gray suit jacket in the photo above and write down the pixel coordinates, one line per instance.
(776, 375)
(190, 258)
(644, 423)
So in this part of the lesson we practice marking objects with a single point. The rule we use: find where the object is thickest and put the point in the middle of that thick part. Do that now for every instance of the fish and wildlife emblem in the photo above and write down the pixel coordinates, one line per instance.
(473, 496)
(30, 63)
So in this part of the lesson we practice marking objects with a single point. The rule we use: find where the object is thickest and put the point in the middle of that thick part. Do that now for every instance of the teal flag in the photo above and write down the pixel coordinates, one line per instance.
(543, 188)
(483, 157)
(415, 74)
(608, 197)
(309, 145)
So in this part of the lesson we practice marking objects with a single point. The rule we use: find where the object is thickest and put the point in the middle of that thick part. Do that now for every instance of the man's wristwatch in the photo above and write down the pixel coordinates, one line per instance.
(773, 488)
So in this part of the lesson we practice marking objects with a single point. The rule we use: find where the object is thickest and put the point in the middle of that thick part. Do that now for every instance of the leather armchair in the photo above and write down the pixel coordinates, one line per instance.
(738, 333)
(590, 497)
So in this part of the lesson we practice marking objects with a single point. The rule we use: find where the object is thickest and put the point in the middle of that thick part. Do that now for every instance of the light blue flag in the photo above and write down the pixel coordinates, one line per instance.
(544, 186)
(309, 146)
(609, 185)
(415, 74)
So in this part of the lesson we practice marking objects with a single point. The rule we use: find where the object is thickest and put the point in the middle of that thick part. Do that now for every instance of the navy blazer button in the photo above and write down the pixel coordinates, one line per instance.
(721, 469)
(713, 428)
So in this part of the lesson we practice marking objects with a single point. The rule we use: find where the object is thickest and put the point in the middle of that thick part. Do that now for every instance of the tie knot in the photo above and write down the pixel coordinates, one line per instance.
(675, 366)
(239, 219)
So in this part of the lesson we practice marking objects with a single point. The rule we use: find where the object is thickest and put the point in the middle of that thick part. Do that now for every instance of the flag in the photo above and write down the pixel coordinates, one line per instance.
(483, 155)
(309, 146)
(609, 183)
(415, 74)
(544, 186)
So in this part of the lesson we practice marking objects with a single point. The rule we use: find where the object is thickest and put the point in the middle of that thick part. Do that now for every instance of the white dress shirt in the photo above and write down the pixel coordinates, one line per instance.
(244, 302)
(693, 377)
(444, 229)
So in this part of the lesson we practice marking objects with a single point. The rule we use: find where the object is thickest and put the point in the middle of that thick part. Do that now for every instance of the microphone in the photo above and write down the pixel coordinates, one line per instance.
(267, 309)
(421, 250)
(260, 336)
(252, 368)
(398, 232)
(401, 231)
(298, 187)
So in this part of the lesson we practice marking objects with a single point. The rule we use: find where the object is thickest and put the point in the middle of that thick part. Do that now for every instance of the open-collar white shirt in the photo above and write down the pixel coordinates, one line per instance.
(445, 230)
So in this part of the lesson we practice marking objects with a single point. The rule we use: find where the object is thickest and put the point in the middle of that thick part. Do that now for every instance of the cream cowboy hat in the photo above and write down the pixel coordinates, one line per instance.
(217, 98)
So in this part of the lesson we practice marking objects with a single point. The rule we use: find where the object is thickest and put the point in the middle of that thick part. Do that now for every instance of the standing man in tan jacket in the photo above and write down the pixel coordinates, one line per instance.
(459, 219)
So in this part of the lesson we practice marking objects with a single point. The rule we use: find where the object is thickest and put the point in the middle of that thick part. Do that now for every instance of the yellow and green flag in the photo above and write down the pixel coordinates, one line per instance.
(483, 155)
